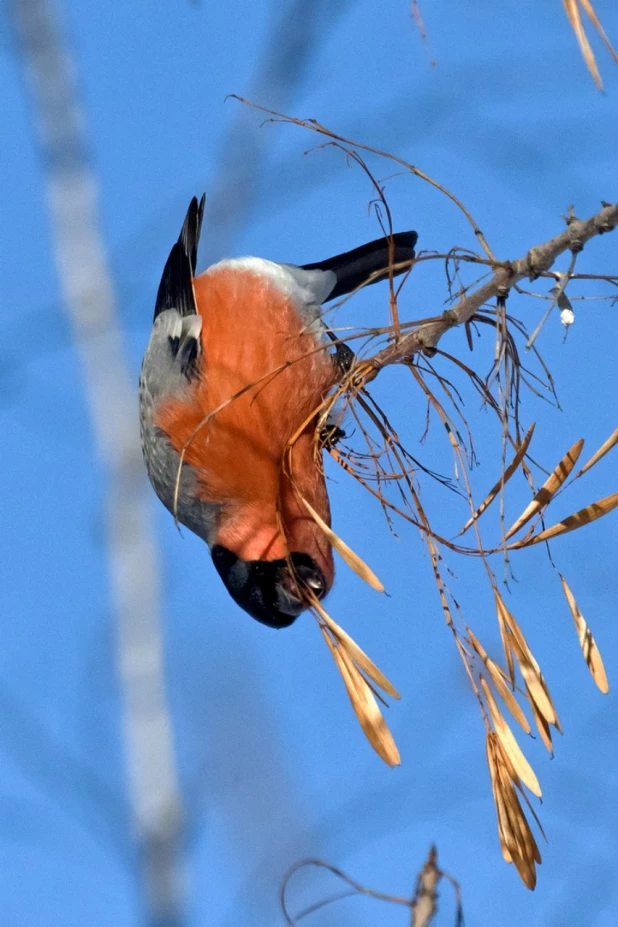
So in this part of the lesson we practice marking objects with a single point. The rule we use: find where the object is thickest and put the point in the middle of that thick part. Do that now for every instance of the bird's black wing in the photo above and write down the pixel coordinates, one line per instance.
(354, 268)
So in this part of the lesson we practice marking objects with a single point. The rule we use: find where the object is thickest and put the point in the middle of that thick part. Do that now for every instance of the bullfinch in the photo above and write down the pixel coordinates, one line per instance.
(238, 363)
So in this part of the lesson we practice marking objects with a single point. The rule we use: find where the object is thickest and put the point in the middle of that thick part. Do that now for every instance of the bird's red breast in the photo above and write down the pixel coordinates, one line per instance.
(253, 333)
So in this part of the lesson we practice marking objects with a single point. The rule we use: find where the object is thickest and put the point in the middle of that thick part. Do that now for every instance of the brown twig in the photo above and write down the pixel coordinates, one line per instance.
(423, 904)
(537, 261)
(315, 126)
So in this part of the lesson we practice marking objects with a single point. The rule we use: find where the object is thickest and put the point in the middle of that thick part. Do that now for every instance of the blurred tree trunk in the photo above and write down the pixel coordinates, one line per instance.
(111, 395)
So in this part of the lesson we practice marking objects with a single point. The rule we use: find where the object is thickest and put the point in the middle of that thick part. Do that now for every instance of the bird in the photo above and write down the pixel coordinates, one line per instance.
(238, 363)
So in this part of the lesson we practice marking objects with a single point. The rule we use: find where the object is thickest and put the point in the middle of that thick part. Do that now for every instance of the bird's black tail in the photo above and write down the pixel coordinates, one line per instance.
(354, 268)
(176, 287)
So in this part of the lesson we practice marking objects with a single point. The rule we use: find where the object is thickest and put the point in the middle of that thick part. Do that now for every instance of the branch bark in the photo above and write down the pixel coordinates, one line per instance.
(538, 260)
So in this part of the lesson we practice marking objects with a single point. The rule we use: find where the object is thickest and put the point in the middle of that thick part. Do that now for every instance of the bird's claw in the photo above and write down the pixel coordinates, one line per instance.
(330, 436)
(344, 357)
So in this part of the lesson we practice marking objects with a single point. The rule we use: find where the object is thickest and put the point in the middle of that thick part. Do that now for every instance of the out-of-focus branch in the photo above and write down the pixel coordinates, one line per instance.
(134, 575)
(423, 905)
(242, 157)
(538, 260)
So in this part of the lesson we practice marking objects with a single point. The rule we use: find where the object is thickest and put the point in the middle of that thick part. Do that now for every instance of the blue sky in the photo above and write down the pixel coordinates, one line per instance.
(272, 764)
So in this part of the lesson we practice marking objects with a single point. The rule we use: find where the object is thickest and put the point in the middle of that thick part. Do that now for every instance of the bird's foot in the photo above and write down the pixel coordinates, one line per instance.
(344, 357)
(331, 435)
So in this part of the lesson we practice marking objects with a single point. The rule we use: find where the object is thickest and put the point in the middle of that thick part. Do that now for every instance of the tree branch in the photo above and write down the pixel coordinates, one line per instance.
(537, 261)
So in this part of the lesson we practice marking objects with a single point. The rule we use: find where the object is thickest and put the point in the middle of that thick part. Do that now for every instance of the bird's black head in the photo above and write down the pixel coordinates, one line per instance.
(267, 589)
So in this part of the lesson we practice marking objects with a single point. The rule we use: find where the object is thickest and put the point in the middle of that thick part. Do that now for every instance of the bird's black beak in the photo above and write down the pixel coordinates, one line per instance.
(269, 590)
(292, 588)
